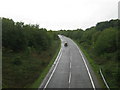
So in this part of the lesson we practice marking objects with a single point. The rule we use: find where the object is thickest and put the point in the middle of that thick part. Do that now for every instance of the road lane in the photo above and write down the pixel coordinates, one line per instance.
(80, 78)
(71, 71)
(61, 75)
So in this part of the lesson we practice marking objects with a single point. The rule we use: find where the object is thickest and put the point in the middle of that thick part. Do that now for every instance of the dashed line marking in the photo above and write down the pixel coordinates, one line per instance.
(70, 75)
(70, 65)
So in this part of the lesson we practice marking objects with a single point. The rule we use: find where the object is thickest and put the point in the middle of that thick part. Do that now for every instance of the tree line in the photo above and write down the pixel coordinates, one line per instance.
(101, 42)
(17, 36)
(27, 51)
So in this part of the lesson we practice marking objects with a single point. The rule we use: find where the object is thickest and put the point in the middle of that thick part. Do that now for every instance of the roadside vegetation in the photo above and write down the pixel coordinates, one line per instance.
(101, 45)
(27, 52)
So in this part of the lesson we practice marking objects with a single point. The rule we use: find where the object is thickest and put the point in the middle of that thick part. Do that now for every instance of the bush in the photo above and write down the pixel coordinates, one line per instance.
(106, 42)
(17, 61)
(17, 36)
(13, 37)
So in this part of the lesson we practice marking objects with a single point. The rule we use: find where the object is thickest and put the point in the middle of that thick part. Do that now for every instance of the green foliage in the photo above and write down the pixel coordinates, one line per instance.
(17, 61)
(26, 68)
(87, 36)
(13, 37)
(102, 44)
(107, 24)
(27, 50)
(17, 36)
(106, 42)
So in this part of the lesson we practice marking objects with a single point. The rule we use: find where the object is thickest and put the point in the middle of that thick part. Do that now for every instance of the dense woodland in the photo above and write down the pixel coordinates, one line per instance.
(18, 37)
(28, 49)
(101, 42)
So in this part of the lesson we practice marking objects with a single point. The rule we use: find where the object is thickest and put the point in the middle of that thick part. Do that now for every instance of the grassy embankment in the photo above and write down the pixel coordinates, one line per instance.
(27, 69)
(105, 66)
(100, 44)
(46, 70)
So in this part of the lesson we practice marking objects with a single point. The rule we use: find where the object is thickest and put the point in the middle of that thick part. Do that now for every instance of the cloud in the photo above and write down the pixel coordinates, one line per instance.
(60, 14)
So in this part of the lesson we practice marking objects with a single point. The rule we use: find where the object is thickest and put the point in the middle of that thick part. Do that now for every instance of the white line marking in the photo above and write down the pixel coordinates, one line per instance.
(70, 74)
(70, 65)
(69, 78)
(104, 80)
(70, 58)
(58, 59)
(93, 85)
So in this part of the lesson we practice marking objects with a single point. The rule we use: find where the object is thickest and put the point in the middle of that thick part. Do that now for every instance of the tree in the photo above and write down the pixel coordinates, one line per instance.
(106, 42)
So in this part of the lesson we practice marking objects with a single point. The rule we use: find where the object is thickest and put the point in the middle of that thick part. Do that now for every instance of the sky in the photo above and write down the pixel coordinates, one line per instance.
(60, 14)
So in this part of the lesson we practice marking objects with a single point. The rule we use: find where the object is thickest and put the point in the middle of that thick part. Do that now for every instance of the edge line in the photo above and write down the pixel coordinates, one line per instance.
(93, 85)
(57, 61)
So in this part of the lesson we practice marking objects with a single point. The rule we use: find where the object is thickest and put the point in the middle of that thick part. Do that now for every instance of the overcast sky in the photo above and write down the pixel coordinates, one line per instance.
(60, 14)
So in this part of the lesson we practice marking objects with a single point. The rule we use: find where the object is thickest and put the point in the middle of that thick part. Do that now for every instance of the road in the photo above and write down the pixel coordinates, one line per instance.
(71, 69)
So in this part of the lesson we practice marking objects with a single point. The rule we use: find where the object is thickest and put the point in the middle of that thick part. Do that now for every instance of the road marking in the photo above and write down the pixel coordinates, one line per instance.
(70, 65)
(70, 58)
(57, 58)
(70, 74)
(93, 85)
(70, 78)
(57, 61)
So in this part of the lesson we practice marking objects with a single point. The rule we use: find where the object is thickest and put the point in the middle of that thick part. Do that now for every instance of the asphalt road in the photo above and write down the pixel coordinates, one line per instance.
(71, 69)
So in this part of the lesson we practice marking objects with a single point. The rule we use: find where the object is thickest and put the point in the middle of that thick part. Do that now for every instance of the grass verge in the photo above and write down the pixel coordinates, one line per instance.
(37, 83)
(27, 70)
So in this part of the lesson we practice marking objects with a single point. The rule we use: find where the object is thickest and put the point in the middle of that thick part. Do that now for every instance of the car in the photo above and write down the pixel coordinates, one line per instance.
(65, 44)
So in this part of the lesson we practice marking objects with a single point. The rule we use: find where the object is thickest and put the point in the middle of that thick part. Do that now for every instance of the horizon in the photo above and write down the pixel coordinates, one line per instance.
(58, 29)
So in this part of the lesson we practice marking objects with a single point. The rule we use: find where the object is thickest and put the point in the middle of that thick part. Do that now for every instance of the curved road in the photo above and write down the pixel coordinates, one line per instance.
(70, 69)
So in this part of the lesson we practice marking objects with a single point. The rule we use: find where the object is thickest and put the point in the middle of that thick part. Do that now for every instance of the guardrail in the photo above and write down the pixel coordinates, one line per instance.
(104, 79)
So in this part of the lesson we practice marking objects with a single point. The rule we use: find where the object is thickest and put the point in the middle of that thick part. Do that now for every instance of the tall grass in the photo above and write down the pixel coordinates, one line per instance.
(37, 83)
(23, 69)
